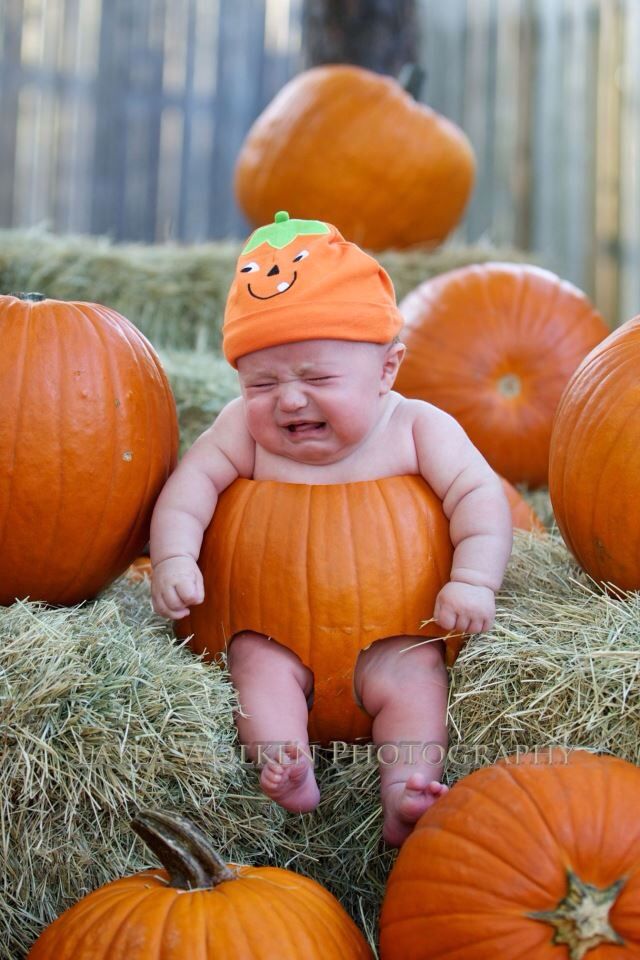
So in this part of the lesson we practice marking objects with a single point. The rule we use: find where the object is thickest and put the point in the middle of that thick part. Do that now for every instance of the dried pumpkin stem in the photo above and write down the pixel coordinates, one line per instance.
(581, 919)
(411, 78)
(183, 850)
(34, 297)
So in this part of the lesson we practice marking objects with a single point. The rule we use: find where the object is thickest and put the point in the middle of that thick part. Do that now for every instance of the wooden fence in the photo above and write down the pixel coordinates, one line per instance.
(125, 117)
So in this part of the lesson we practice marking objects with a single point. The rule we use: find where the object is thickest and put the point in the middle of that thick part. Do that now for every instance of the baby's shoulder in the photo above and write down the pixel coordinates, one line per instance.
(413, 411)
(230, 435)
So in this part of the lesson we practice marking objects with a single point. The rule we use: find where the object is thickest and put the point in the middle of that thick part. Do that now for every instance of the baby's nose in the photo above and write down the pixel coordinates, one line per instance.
(291, 396)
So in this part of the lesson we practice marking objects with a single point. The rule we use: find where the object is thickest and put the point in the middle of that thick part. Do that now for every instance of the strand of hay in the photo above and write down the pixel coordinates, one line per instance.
(100, 711)
(175, 294)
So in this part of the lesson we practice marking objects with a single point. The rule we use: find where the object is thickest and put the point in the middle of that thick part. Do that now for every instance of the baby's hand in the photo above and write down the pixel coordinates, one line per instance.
(176, 585)
(465, 608)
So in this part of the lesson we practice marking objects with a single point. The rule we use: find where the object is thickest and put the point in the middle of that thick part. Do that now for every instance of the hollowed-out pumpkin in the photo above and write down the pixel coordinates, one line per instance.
(88, 436)
(200, 907)
(326, 570)
(594, 466)
(343, 144)
(526, 859)
(495, 345)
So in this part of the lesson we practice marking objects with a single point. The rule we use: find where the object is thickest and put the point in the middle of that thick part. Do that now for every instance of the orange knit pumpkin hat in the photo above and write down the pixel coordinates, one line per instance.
(301, 280)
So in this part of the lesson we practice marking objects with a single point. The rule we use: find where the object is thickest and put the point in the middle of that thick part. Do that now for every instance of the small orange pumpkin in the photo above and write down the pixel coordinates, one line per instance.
(325, 570)
(523, 516)
(535, 857)
(495, 345)
(88, 436)
(594, 466)
(198, 906)
(343, 144)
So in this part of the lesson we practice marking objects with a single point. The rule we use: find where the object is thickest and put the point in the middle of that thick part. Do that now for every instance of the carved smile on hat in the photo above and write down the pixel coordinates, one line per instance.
(281, 288)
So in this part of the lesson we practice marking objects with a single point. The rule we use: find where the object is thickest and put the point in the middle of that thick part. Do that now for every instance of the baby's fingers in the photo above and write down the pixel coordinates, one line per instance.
(445, 616)
(191, 591)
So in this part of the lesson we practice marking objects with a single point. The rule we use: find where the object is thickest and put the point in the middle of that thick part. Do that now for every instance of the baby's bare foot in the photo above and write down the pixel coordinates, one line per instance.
(404, 802)
(288, 779)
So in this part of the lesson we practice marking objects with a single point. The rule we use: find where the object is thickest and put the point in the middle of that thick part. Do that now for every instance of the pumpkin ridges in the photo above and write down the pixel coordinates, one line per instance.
(310, 127)
(17, 422)
(590, 846)
(597, 400)
(479, 304)
(92, 541)
(322, 625)
(65, 488)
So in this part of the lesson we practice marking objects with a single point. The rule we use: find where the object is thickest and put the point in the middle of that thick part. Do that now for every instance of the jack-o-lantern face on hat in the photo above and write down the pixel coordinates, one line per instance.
(270, 261)
(301, 280)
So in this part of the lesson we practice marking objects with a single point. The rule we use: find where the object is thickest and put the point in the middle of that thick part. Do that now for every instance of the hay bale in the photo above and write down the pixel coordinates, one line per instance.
(102, 711)
(175, 294)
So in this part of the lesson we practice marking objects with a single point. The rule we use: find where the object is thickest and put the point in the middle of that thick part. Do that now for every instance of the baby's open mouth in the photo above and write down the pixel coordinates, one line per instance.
(305, 426)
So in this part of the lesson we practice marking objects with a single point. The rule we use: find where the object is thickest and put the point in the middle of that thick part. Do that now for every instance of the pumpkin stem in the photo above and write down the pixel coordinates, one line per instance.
(35, 297)
(581, 920)
(182, 849)
(411, 78)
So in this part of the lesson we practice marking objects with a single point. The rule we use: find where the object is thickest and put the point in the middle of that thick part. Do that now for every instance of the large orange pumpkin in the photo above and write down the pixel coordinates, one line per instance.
(495, 345)
(526, 859)
(343, 144)
(88, 436)
(200, 907)
(594, 468)
(326, 570)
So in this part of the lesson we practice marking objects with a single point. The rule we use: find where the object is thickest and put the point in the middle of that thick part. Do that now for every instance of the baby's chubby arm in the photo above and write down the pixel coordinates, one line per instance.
(479, 519)
(186, 505)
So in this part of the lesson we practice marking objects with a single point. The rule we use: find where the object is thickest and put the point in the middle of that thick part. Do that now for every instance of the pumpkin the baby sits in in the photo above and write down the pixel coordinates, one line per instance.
(322, 519)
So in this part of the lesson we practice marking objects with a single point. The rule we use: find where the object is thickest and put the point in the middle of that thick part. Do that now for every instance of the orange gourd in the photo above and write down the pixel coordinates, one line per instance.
(594, 467)
(88, 436)
(523, 517)
(343, 144)
(198, 906)
(526, 859)
(495, 345)
(326, 570)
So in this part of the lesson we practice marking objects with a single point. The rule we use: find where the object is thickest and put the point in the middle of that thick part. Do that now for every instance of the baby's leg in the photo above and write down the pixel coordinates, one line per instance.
(273, 685)
(405, 691)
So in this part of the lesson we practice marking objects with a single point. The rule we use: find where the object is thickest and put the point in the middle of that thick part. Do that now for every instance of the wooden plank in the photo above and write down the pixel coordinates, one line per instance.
(110, 153)
(607, 268)
(478, 116)
(10, 63)
(546, 232)
(629, 304)
(240, 52)
(508, 118)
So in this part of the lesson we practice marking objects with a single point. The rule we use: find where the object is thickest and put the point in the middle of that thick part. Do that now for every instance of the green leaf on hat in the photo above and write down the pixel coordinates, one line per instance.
(282, 231)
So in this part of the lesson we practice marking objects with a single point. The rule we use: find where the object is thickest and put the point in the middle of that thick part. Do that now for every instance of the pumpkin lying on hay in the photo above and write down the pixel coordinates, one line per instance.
(535, 857)
(523, 516)
(198, 906)
(495, 345)
(312, 152)
(88, 436)
(594, 467)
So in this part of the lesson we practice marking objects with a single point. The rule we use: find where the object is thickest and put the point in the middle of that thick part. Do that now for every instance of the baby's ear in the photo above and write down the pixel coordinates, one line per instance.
(391, 360)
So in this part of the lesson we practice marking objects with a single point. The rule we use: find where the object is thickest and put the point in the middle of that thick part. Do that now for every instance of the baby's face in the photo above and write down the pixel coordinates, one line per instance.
(315, 401)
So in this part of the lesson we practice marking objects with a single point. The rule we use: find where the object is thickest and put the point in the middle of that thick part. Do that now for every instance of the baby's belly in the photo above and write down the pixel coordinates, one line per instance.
(325, 570)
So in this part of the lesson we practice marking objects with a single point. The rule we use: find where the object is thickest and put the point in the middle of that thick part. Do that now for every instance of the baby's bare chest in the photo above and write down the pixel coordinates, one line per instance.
(389, 452)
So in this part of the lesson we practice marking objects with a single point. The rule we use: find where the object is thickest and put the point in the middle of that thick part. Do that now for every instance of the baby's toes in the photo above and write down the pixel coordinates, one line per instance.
(437, 789)
(272, 774)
